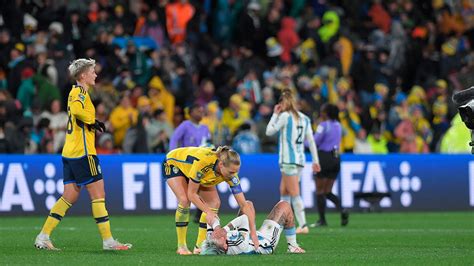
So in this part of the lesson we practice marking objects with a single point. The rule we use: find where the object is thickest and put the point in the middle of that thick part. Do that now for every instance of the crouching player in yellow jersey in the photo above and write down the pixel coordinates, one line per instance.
(80, 163)
(192, 173)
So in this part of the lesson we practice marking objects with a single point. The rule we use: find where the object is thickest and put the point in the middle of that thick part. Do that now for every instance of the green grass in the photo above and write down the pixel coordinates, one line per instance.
(375, 238)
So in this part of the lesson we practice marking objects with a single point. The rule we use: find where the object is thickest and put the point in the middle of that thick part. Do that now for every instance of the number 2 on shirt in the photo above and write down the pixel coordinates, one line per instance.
(299, 140)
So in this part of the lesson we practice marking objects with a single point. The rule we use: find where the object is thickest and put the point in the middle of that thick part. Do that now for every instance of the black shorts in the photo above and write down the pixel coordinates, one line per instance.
(169, 171)
(82, 171)
(330, 163)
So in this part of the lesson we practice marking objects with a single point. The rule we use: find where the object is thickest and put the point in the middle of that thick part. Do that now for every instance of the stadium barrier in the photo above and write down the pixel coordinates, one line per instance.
(30, 184)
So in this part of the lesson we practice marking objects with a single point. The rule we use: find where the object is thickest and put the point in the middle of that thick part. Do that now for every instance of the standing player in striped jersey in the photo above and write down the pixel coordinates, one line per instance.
(233, 239)
(294, 128)
(80, 163)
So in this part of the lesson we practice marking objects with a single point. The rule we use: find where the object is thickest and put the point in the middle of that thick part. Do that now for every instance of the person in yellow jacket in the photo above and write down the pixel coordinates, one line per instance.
(80, 163)
(236, 114)
(161, 98)
(122, 118)
(351, 124)
(457, 138)
(212, 119)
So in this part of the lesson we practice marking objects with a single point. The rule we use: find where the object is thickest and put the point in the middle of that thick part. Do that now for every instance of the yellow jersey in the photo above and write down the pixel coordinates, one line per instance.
(199, 164)
(80, 140)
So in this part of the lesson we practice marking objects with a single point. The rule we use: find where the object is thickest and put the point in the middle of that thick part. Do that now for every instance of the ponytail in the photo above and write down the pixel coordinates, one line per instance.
(227, 155)
(288, 96)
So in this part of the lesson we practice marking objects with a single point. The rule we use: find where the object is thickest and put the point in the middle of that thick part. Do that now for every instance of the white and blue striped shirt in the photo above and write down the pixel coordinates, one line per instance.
(293, 132)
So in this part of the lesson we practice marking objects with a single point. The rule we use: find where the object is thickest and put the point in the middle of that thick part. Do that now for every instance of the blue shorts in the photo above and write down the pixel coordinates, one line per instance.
(82, 171)
(170, 171)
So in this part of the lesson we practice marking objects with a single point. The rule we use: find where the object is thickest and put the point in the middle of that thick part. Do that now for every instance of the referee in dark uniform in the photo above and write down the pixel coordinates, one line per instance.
(328, 137)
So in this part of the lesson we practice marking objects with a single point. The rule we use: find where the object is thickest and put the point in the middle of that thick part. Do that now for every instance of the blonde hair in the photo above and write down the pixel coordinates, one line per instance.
(228, 156)
(288, 97)
(79, 66)
(210, 247)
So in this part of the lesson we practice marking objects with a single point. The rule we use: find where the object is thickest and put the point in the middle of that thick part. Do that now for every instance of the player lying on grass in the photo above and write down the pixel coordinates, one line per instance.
(233, 239)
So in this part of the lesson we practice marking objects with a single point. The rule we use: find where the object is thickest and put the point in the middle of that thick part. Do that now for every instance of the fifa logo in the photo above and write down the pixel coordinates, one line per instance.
(50, 186)
(406, 184)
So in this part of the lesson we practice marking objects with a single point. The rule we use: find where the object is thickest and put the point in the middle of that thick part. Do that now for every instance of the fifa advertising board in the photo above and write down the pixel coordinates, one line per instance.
(30, 184)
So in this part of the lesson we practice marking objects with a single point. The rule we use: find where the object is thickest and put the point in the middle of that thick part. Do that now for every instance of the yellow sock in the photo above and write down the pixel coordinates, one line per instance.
(55, 215)
(101, 217)
(182, 220)
(202, 232)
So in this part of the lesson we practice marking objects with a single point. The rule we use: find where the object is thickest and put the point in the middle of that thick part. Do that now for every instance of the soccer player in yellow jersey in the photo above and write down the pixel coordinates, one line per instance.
(192, 173)
(80, 163)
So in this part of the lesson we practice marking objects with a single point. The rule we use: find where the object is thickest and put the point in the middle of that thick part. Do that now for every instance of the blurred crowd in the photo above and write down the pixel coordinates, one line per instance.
(390, 66)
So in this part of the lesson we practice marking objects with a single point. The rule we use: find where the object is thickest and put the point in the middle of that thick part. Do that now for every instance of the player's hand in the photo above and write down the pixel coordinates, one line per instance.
(277, 109)
(99, 126)
(316, 168)
(255, 241)
(219, 232)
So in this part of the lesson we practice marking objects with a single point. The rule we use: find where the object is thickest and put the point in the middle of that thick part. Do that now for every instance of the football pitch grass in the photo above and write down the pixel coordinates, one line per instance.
(371, 238)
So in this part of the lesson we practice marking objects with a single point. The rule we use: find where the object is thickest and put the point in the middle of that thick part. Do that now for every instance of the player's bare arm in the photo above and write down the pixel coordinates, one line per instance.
(246, 207)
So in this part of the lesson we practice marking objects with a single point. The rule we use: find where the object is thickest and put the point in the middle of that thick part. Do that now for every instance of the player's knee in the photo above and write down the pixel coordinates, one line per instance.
(283, 204)
(215, 203)
(293, 192)
(184, 201)
(250, 203)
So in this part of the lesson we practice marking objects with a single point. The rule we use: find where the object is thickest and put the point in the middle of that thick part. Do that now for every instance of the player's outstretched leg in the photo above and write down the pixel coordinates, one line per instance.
(56, 214)
(283, 215)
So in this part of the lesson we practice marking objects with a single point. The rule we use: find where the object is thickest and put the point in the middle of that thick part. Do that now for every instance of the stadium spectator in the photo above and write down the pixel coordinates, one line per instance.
(246, 140)
(57, 125)
(236, 114)
(377, 141)
(393, 44)
(122, 118)
(106, 144)
(288, 38)
(26, 90)
(159, 132)
(178, 14)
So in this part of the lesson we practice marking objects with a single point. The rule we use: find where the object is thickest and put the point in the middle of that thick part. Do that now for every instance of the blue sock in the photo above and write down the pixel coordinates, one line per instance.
(286, 198)
(290, 234)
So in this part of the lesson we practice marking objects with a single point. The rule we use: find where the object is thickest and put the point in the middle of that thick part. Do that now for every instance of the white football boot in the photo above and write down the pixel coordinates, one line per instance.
(114, 244)
(43, 242)
(295, 249)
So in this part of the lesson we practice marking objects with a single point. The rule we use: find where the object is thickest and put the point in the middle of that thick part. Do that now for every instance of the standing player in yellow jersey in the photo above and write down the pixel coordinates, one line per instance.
(192, 173)
(80, 163)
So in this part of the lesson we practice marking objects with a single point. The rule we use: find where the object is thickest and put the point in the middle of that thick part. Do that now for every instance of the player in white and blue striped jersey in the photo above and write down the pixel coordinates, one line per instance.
(234, 239)
(294, 128)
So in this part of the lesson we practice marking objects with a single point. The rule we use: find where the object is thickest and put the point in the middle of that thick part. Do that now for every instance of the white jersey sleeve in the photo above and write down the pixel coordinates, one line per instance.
(238, 239)
(277, 122)
(312, 144)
